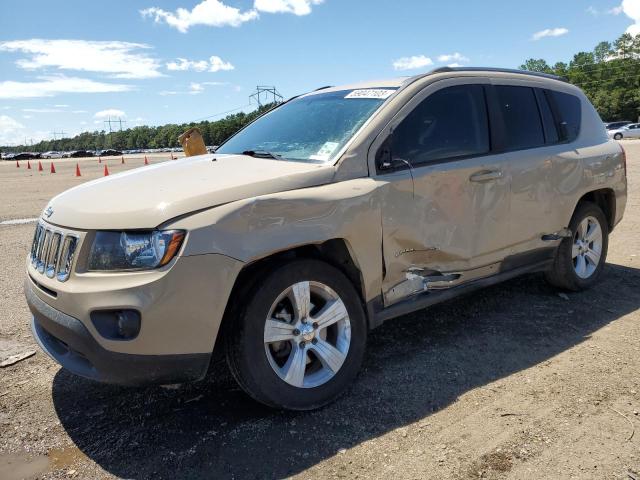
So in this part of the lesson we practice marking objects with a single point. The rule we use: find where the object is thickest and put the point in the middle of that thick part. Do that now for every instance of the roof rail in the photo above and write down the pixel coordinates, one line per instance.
(501, 70)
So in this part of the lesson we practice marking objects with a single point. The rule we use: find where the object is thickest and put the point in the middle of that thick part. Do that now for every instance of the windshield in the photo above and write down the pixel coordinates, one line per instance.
(312, 128)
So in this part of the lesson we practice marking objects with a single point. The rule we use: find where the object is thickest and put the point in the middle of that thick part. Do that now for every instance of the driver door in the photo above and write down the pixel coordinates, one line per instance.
(445, 196)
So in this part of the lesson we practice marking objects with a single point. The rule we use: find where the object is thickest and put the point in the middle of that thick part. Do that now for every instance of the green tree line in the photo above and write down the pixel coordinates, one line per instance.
(214, 133)
(609, 75)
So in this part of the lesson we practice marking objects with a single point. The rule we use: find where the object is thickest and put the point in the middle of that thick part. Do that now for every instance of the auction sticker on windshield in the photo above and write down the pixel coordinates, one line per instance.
(325, 151)
(370, 93)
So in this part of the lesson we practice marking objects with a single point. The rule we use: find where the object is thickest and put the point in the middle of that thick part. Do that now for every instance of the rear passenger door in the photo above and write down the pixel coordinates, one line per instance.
(539, 126)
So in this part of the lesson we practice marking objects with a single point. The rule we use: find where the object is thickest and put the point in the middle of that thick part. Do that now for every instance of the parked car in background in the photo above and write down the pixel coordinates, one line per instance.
(52, 154)
(80, 154)
(109, 152)
(631, 130)
(332, 213)
(616, 125)
(26, 156)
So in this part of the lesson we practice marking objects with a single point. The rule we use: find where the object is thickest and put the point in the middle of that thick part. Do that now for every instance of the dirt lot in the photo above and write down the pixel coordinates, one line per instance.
(515, 381)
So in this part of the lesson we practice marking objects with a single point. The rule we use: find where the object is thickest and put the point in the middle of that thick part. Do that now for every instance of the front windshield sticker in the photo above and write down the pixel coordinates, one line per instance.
(381, 93)
(325, 151)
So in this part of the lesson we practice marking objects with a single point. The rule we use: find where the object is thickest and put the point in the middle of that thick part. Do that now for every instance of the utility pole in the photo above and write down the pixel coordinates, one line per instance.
(268, 92)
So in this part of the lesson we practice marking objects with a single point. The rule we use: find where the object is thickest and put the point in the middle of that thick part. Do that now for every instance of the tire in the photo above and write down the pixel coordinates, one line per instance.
(263, 367)
(617, 136)
(574, 267)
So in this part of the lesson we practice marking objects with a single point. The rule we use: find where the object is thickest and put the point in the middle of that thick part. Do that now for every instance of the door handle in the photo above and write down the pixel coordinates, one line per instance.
(486, 175)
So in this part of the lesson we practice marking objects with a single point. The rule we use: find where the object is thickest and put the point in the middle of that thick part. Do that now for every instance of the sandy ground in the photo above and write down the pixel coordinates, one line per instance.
(514, 382)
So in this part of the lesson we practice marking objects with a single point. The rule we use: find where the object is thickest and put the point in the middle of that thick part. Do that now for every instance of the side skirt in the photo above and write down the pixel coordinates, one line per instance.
(431, 298)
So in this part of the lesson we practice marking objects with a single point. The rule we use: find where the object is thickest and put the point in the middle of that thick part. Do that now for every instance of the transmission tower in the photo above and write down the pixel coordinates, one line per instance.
(114, 121)
(61, 133)
(267, 93)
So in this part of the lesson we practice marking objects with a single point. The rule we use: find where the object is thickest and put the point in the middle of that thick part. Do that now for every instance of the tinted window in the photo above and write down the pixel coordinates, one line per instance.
(569, 113)
(548, 121)
(448, 124)
(523, 128)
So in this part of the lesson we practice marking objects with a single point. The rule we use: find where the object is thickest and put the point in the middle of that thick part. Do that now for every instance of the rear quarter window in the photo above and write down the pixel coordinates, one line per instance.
(568, 112)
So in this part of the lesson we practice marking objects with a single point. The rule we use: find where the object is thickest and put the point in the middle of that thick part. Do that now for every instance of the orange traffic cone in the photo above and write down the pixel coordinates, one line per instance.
(146, 162)
(78, 170)
(106, 170)
(28, 165)
(17, 164)
(99, 159)
(123, 159)
(53, 169)
(40, 169)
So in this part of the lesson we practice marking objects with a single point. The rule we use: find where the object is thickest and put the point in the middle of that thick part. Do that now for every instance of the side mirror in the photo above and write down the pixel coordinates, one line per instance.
(383, 155)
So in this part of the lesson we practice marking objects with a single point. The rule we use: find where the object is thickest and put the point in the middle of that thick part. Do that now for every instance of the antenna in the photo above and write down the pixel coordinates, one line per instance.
(266, 92)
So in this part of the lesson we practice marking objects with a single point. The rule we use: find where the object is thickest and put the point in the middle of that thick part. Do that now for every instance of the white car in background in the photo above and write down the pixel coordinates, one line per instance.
(52, 154)
(628, 131)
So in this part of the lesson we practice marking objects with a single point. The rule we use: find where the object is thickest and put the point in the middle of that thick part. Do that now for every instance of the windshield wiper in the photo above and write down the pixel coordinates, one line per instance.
(261, 154)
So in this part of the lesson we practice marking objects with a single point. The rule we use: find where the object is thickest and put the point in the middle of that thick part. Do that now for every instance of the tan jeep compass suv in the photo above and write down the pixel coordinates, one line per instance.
(336, 211)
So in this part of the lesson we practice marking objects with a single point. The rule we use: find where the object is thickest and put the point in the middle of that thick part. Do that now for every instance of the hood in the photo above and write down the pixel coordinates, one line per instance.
(149, 196)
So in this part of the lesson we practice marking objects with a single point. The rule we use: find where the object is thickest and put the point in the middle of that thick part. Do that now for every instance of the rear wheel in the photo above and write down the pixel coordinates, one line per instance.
(300, 339)
(580, 258)
(618, 136)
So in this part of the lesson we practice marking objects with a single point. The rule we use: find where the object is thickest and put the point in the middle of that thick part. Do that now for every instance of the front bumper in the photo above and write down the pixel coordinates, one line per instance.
(181, 309)
(68, 342)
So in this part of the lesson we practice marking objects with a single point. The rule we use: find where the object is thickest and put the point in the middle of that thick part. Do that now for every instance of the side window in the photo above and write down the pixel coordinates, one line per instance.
(569, 111)
(548, 121)
(523, 127)
(448, 124)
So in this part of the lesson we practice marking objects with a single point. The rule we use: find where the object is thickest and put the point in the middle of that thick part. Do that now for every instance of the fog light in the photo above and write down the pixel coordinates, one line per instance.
(117, 324)
(128, 324)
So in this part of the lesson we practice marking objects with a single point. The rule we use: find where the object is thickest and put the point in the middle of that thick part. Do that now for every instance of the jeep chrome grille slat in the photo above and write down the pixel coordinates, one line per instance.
(52, 252)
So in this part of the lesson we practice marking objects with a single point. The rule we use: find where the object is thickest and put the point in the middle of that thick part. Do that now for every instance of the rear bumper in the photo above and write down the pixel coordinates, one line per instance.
(66, 340)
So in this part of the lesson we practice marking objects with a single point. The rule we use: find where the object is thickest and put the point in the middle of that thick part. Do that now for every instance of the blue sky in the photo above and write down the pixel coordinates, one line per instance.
(67, 65)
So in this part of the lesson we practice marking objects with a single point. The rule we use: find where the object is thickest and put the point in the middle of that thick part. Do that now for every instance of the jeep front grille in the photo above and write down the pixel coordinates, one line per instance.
(52, 252)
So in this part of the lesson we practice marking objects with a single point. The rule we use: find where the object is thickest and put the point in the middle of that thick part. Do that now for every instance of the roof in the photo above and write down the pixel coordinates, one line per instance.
(400, 81)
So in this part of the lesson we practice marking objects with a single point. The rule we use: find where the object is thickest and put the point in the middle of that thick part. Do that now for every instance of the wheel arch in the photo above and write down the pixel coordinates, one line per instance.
(605, 198)
(336, 252)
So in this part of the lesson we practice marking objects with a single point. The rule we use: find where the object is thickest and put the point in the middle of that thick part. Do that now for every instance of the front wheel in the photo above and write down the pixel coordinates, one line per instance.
(300, 340)
(580, 258)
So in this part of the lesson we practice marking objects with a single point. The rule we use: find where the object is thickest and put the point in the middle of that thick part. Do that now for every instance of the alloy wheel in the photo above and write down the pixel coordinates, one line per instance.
(307, 334)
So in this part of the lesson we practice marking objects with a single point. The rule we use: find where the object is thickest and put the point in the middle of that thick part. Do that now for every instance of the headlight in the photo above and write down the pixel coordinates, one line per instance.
(135, 250)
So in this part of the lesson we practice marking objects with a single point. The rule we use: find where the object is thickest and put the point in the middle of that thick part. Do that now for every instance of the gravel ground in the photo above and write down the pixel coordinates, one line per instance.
(515, 381)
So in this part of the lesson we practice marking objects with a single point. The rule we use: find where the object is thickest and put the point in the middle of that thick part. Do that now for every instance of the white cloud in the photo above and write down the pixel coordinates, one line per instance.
(549, 32)
(194, 88)
(61, 106)
(455, 57)
(119, 59)
(212, 13)
(297, 7)
(454, 65)
(411, 63)
(611, 11)
(42, 110)
(10, 130)
(631, 8)
(218, 64)
(49, 86)
(110, 112)
(214, 64)
(27, 116)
